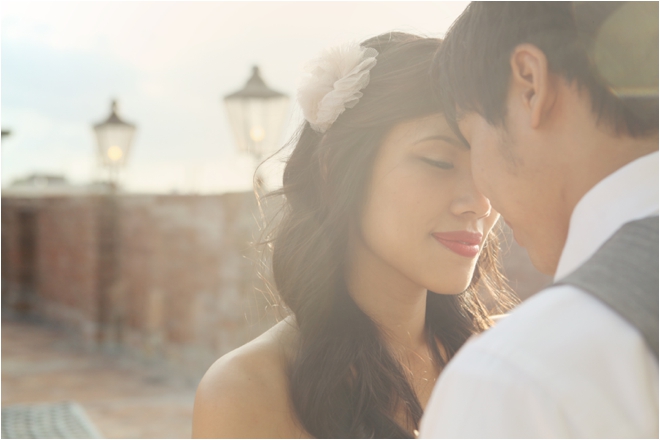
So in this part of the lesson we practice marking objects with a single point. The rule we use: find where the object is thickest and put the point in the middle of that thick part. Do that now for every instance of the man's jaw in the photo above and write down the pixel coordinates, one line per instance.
(513, 231)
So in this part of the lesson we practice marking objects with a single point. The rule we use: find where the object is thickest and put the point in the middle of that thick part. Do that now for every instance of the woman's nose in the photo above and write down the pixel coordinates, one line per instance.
(469, 201)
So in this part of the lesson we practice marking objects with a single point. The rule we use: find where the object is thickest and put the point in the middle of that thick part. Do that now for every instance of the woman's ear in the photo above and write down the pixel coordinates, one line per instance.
(531, 83)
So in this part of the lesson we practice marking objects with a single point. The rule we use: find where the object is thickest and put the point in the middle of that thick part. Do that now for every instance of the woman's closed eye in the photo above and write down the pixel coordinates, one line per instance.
(438, 163)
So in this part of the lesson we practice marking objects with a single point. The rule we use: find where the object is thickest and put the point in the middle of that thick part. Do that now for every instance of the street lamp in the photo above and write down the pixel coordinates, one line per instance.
(114, 138)
(256, 115)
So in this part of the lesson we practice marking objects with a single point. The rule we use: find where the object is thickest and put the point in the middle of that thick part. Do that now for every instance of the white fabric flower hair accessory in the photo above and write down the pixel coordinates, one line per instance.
(333, 82)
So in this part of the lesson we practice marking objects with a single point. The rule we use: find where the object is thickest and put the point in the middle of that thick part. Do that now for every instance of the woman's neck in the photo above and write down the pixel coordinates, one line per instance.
(398, 306)
(389, 298)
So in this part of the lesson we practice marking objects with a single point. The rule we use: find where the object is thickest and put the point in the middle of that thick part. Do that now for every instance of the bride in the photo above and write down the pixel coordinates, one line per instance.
(378, 254)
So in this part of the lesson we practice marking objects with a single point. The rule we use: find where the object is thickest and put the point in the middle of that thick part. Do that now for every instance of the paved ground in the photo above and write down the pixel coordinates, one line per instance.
(124, 398)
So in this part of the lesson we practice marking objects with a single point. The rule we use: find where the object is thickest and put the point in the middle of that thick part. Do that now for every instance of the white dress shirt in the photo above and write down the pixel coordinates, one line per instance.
(562, 364)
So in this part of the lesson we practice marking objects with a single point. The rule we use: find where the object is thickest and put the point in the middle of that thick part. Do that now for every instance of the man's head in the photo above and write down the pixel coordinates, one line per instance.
(520, 81)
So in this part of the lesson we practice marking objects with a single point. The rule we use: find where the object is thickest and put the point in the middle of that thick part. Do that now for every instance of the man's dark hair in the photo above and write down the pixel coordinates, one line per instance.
(472, 68)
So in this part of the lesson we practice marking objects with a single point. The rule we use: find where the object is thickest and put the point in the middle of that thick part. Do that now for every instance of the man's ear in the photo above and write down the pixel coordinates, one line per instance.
(531, 82)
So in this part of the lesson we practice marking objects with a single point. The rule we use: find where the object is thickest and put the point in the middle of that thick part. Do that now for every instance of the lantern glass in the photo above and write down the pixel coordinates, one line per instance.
(257, 123)
(114, 141)
(256, 115)
(114, 138)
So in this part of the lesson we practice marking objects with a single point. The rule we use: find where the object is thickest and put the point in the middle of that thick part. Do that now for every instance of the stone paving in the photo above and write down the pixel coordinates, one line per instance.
(124, 398)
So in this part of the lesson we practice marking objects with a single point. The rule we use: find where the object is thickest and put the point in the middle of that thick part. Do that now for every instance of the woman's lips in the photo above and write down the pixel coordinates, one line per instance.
(463, 243)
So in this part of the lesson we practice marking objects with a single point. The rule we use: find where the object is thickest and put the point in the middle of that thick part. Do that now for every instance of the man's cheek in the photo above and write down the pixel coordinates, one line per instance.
(480, 174)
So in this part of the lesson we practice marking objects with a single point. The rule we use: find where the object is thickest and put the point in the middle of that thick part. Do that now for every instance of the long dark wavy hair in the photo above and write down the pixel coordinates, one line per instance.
(344, 380)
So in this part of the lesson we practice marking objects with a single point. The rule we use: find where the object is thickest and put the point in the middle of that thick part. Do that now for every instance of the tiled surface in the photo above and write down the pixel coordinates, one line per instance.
(122, 397)
(47, 420)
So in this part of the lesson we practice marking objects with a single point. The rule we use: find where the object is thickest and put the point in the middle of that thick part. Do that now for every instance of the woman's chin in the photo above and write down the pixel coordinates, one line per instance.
(454, 289)
(451, 281)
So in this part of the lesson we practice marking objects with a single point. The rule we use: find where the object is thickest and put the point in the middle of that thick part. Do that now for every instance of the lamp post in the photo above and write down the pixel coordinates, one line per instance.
(114, 137)
(256, 115)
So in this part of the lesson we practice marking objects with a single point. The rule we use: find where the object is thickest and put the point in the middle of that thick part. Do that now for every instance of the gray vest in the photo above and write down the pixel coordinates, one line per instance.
(623, 274)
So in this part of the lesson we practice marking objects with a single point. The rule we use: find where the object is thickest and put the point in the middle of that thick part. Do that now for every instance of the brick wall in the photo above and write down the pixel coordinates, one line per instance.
(164, 276)
(67, 262)
(189, 290)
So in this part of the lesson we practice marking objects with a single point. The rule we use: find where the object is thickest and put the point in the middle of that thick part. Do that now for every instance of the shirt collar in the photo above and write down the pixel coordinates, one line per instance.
(628, 194)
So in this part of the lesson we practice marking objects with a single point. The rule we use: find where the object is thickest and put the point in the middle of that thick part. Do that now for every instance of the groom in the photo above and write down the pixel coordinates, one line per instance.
(559, 103)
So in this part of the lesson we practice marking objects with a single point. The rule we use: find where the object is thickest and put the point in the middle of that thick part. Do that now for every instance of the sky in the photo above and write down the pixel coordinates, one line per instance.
(168, 64)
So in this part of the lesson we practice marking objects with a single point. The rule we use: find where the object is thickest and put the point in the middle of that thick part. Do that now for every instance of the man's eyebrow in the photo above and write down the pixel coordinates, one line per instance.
(448, 139)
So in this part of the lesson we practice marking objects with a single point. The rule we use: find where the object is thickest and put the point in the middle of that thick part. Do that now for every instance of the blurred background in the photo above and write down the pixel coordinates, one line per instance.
(130, 137)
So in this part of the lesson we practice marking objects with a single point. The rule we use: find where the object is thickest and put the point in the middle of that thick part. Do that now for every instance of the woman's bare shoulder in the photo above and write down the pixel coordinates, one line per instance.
(245, 394)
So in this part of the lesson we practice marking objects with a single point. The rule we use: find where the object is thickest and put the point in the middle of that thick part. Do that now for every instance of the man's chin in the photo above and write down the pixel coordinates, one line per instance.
(543, 262)
(516, 237)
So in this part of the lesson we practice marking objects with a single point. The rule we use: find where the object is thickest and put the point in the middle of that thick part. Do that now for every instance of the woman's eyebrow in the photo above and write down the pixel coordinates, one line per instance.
(448, 139)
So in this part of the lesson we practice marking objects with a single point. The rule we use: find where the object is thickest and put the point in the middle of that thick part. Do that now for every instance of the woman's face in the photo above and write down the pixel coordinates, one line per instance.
(423, 216)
